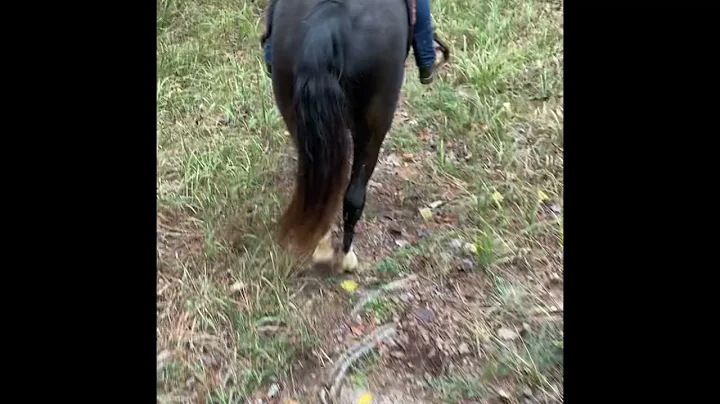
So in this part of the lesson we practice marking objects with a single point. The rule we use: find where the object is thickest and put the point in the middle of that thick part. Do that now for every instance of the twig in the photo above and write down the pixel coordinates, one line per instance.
(338, 371)
(389, 287)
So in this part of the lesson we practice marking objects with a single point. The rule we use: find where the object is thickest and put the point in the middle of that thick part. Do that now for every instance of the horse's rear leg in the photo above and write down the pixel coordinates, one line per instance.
(369, 134)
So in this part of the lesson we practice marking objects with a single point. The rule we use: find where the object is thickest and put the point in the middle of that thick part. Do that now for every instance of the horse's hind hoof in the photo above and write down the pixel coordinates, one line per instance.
(324, 253)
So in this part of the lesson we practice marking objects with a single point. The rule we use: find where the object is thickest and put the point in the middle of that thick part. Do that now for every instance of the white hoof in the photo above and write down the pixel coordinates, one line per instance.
(324, 251)
(350, 261)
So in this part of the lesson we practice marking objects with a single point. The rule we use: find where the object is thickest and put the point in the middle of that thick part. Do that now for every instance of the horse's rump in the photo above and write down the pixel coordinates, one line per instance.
(330, 60)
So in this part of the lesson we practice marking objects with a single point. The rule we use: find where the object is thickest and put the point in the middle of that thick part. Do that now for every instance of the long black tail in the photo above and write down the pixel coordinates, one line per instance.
(321, 108)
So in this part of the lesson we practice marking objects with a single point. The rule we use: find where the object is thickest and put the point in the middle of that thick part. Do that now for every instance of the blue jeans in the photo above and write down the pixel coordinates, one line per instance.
(423, 42)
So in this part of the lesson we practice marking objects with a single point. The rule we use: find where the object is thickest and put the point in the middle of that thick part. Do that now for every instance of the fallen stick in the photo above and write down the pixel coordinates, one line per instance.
(389, 287)
(361, 348)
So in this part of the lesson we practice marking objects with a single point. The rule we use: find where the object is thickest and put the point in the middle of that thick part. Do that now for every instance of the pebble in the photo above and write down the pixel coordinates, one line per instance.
(456, 244)
(237, 287)
(402, 243)
(467, 265)
(424, 314)
(507, 334)
(273, 391)
(464, 349)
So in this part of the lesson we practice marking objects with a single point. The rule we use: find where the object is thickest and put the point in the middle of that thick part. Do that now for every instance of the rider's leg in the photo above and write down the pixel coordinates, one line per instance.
(423, 44)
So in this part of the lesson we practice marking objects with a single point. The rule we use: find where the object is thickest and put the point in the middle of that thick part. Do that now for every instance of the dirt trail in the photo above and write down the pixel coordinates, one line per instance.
(426, 342)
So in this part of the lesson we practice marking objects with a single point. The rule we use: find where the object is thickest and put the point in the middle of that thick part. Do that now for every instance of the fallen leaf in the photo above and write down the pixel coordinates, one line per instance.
(366, 398)
(357, 330)
(470, 248)
(426, 213)
(349, 286)
(449, 220)
(497, 197)
(543, 196)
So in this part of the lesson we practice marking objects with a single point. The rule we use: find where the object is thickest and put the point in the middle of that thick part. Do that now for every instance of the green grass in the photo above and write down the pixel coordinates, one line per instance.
(495, 116)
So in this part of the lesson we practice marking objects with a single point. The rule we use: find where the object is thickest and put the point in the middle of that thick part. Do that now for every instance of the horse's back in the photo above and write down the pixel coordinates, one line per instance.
(378, 36)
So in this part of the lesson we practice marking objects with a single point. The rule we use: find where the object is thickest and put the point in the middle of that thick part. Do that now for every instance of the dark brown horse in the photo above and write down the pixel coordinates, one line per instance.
(337, 67)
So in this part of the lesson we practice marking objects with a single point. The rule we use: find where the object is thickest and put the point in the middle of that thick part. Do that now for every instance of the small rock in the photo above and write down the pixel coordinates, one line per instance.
(470, 248)
(422, 233)
(504, 394)
(467, 265)
(424, 314)
(426, 213)
(526, 327)
(507, 334)
(273, 391)
(527, 391)
(237, 287)
(374, 184)
(397, 354)
(162, 356)
(555, 277)
(456, 244)
(464, 349)
(406, 297)
(555, 208)
(402, 243)
(392, 160)
(435, 204)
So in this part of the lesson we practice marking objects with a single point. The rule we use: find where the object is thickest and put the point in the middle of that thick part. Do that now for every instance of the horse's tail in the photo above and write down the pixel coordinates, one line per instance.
(321, 109)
